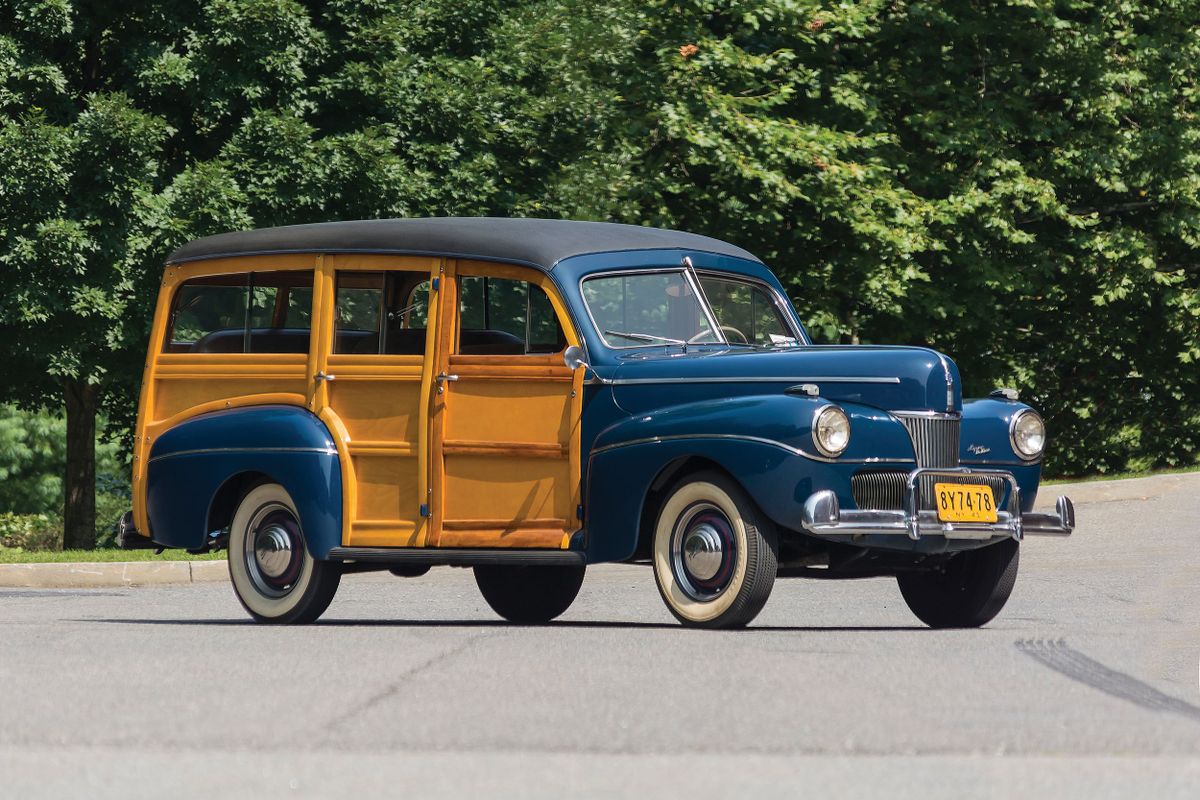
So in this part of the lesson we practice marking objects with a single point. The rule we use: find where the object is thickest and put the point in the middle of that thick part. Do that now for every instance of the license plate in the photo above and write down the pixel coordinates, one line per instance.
(964, 502)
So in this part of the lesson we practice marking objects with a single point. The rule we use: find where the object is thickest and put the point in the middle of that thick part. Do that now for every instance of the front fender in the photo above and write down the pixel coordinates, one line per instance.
(984, 442)
(288, 445)
(764, 442)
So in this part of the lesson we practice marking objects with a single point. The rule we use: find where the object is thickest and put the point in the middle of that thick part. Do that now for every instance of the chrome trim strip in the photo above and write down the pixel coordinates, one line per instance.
(781, 379)
(949, 382)
(328, 451)
(796, 451)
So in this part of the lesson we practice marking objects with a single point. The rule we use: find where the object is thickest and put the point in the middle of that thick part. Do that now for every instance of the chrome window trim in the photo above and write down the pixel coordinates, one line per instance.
(1012, 436)
(653, 271)
(784, 308)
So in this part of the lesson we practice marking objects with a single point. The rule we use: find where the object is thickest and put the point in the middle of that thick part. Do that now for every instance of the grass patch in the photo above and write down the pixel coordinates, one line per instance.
(1116, 476)
(10, 555)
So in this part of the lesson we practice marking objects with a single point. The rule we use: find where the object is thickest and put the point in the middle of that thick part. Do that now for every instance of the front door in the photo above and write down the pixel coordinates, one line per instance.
(504, 411)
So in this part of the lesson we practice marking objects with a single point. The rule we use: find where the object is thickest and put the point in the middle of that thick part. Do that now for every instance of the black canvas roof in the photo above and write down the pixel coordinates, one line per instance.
(536, 242)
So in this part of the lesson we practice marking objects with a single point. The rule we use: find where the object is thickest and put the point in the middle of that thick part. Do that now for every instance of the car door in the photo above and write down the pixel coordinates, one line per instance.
(505, 412)
(371, 380)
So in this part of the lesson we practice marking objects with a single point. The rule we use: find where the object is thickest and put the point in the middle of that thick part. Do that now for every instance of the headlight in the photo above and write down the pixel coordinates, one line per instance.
(1028, 434)
(831, 431)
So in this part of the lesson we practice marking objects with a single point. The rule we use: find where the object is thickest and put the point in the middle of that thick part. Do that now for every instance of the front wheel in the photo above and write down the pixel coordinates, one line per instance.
(273, 575)
(529, 595)
(714, 553)
(968, 591)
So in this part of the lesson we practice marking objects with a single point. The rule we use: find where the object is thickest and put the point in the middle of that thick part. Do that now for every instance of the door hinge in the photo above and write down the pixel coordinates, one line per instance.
(436, 283)
(424, 509)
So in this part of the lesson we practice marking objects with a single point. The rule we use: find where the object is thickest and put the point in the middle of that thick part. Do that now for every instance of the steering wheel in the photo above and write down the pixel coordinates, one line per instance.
(726, 329)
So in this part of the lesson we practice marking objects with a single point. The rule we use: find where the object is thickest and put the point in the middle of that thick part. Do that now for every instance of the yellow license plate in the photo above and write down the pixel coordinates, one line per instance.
(964, 502)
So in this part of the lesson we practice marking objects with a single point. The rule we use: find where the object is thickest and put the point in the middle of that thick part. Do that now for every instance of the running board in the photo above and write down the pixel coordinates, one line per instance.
(436, 557)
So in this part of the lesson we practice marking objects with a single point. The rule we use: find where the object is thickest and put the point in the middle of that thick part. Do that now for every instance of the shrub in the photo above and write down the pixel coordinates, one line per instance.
(30, 531)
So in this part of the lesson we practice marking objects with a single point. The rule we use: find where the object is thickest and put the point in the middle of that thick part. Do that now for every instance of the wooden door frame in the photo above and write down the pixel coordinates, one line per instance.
(531, 367)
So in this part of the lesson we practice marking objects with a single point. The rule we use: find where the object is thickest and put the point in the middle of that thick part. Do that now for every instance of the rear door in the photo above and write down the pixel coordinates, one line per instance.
(370, 386)
(505, 412)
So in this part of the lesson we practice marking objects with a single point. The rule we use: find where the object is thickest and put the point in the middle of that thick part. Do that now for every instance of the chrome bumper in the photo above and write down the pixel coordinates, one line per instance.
(822, 514)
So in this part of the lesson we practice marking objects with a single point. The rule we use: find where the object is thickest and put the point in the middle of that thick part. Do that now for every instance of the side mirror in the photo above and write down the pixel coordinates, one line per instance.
(574, 358)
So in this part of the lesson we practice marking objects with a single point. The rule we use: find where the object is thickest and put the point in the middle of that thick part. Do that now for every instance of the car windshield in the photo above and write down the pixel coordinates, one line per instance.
(651, 308)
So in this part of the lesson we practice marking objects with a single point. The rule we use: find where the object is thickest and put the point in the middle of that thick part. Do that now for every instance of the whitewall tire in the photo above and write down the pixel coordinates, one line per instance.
(714, 553)
(273, 574)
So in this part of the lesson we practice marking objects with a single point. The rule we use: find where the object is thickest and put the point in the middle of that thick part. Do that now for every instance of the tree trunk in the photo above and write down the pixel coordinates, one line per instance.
(79, 509)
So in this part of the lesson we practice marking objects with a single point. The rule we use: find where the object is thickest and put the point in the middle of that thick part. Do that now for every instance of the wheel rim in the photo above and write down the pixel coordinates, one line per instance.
(703, 551)
(274, 550)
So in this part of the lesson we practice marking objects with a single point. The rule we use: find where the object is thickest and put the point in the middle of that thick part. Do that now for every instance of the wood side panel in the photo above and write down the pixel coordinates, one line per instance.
(502, 449)
(520, 537)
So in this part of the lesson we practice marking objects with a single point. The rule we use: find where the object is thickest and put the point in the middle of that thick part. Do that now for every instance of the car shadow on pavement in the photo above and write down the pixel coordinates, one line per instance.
(497, 623)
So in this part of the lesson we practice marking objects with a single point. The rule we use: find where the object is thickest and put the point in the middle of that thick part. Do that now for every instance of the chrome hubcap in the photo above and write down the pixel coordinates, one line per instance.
(703, 551)
(274, 552)
(273, 549)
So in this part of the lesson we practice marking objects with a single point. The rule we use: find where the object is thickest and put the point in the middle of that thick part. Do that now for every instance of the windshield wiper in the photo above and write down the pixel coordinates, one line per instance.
(646, 337)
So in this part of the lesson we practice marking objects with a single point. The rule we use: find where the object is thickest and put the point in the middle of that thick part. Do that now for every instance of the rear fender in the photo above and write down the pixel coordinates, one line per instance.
(190, 463)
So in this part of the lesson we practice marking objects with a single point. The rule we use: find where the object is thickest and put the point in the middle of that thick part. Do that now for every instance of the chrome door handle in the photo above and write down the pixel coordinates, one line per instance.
(441, 379)
(321, 376)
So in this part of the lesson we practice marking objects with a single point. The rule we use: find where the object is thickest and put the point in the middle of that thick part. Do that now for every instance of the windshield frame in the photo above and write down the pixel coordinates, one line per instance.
(690, 275)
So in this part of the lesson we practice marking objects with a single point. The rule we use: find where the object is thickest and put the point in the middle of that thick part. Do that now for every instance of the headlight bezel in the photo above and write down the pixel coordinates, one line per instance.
(822, 448)
(1026, 413)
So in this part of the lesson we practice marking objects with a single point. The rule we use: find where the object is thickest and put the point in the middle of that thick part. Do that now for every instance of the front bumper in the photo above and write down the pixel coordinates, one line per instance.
(822, 515)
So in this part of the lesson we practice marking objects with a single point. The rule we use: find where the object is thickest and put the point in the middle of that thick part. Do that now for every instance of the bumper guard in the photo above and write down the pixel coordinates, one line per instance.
(823, 516)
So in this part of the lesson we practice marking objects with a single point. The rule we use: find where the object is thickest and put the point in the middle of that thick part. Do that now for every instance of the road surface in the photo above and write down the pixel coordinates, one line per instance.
(1085, 686)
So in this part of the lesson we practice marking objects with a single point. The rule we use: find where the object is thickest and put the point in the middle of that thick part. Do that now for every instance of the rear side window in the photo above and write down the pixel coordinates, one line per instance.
(265, 312)
(382, 313)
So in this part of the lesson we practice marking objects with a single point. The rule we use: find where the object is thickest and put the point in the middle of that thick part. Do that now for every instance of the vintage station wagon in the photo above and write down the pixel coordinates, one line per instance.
(529, 397)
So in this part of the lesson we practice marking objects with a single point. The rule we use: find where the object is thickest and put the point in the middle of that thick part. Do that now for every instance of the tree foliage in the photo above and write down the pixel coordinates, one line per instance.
(1013, 182)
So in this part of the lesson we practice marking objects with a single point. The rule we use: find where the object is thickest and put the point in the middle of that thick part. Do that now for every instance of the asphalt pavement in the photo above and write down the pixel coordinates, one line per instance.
(1086, 685)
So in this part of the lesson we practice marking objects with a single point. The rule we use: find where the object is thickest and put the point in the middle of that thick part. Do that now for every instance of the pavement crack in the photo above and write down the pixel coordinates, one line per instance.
(398, 683)
(1062, 658)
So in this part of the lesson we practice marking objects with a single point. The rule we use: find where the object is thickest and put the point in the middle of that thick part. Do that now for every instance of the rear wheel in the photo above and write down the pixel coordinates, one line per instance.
(714, 553)
(273, 574)
(529, 595)
(968, 591)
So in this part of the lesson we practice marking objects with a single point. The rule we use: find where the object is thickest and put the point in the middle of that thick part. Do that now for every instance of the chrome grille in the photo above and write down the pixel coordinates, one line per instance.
(883, 489)
(934, 438)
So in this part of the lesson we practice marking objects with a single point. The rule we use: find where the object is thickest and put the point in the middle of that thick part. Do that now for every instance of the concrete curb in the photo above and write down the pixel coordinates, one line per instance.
(164, 573)
(72, 575)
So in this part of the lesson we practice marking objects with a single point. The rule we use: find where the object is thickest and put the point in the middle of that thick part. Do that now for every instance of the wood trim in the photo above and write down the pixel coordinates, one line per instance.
(511, 372)
(520, 537)
(443, 343)
(464, 447)
(526, 360)
(547, 523)
(381, 448)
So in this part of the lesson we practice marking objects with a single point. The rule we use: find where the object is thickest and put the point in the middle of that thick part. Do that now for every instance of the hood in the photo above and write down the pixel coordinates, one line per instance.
(890, 378)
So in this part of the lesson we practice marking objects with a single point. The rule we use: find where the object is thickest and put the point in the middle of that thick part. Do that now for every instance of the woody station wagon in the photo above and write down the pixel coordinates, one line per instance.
(529, 397)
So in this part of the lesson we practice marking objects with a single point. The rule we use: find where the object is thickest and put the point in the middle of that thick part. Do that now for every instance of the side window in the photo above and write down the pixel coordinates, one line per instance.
(209, 315)
(280, 316)
(263, 312)
(381, 312)
(746, 313)
(506, 316)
